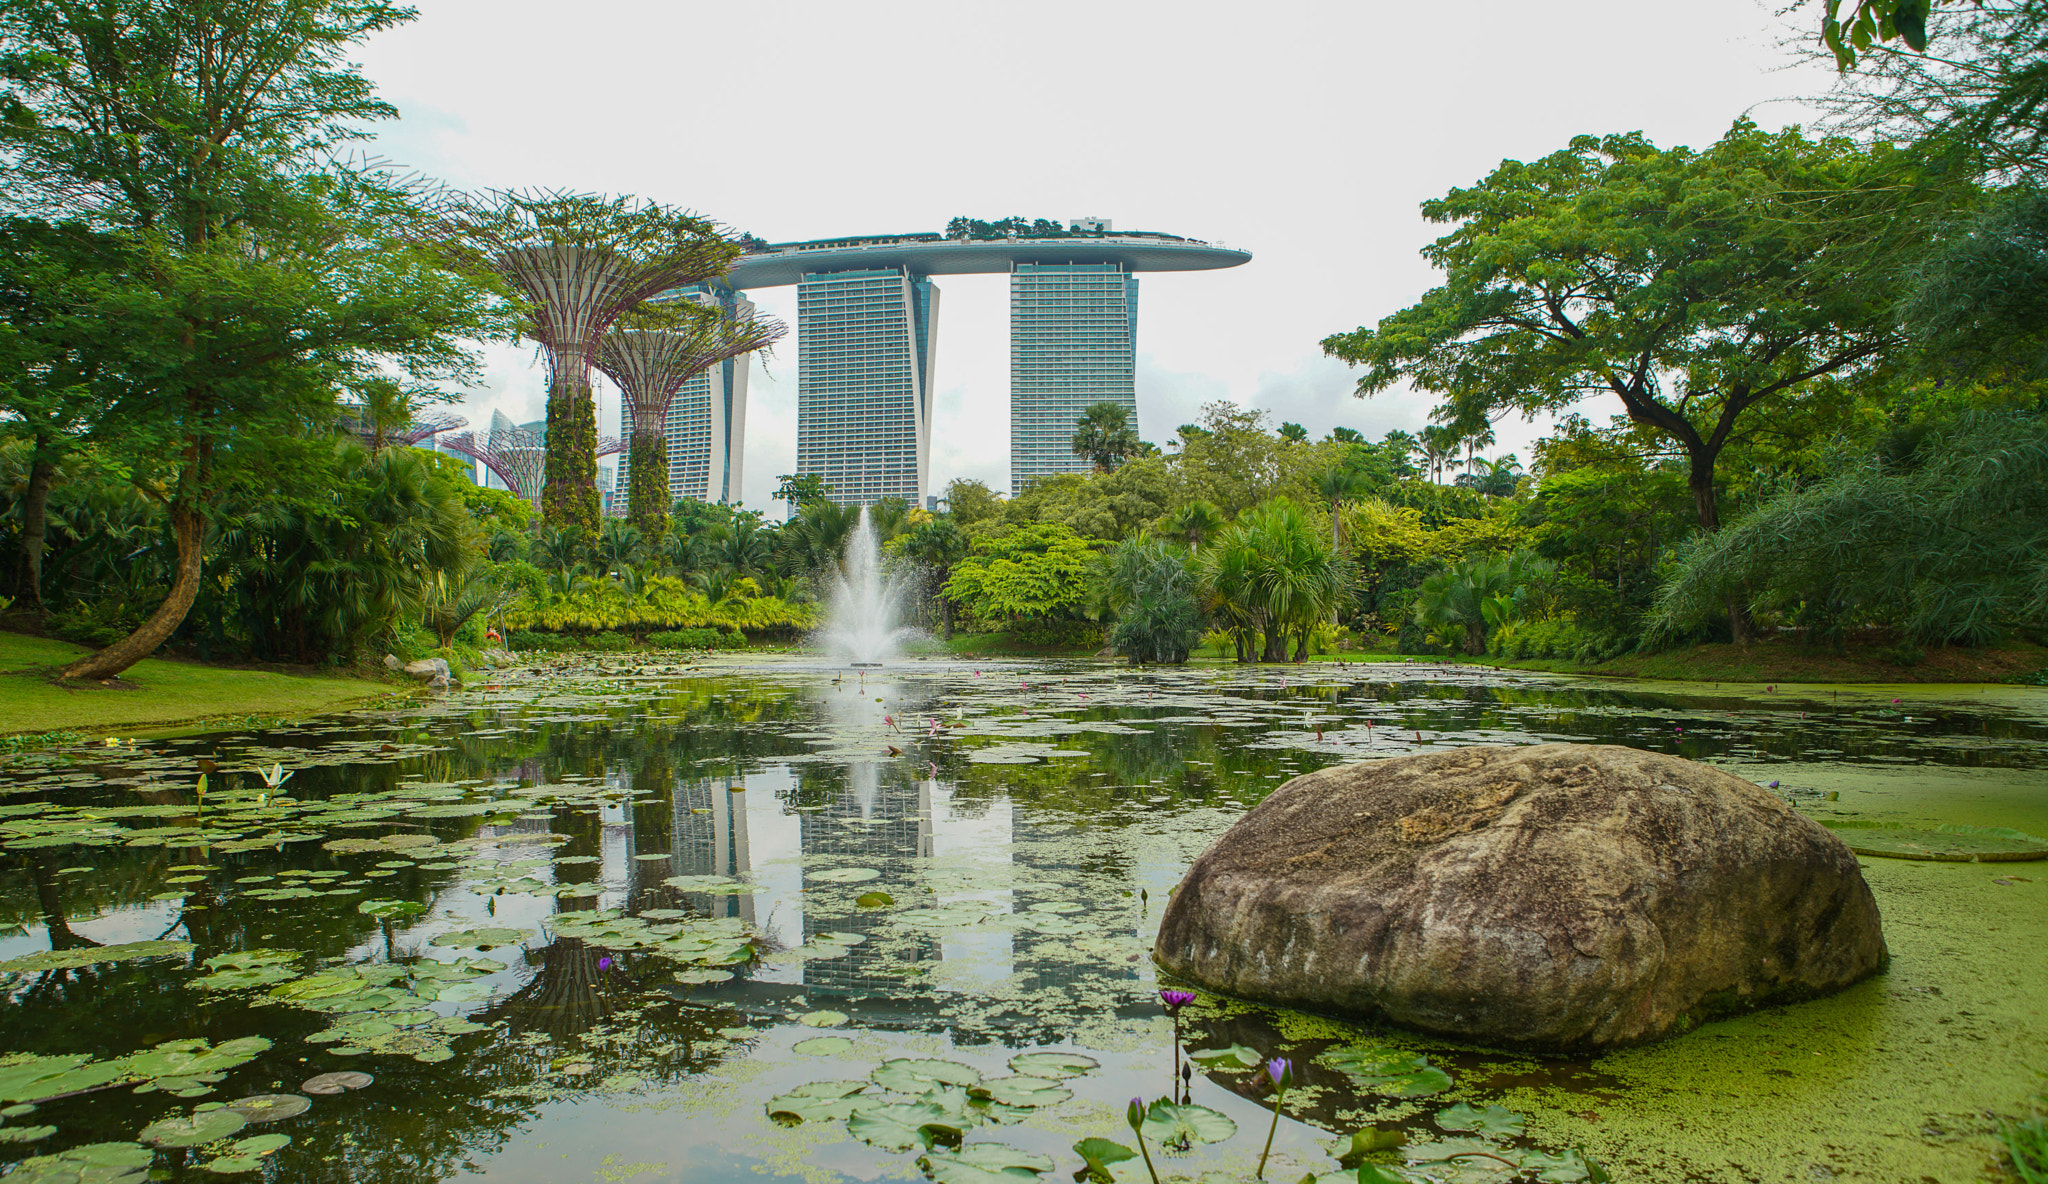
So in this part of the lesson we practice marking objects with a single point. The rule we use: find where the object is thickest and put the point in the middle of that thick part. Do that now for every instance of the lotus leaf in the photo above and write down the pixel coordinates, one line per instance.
(482, 939)
(1389, 1072)
(699, 977)
(1495, 1121)
(270, 1107)
(1055, 1065)
(874, 900)
(193, 1131)
(899, 1126)
(391, 908)
(984, 1163)
(25, 1134)
(844, 875)
(1464, 1160)
(94, 1163)
(1177, 1126)
(1351, 1152)
(822, 1019)
(1949, 842)
(822, 1046)
(26, 1077)
(1365, 1173)
(910, 1075)
(1096, 1156)
(817, 1100)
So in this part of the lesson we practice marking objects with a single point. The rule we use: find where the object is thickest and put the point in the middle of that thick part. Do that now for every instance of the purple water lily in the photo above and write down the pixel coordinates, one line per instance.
(1175, 1000)
(1281, 1070)
(604, 963)
(1135, 1115)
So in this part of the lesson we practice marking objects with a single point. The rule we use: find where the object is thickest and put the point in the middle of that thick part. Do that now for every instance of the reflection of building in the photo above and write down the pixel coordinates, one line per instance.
(878, 822)
(712, 843)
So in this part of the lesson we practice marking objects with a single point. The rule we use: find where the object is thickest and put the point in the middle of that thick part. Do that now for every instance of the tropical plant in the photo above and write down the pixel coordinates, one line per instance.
(1104, 435)
(1195, 523)
(1272, 578)
(1155, 591)
(1459, 604)
(935, 546)
(1494, 478)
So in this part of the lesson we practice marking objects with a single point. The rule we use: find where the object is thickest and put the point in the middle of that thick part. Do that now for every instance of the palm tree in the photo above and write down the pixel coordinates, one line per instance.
(1154, 590)
(1195, 523)
(743, 546)
(1439, 446)
(1272, 578)
(1493, 478)
(815, 536)
(1458, 605)
(1339, 485)
(1104, 436)
(937, 545)
(618, 544)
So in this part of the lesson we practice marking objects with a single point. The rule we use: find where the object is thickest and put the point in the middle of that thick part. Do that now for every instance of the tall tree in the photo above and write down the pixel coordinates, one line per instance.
(1704, 290)
(270, 277)
(1104, 436)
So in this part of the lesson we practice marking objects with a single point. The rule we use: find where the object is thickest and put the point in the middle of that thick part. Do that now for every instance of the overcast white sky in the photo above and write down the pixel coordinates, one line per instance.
(1307, 133)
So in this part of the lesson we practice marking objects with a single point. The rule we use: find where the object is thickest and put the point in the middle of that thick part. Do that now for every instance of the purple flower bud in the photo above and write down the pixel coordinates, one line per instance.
(1281, 1071)
(1135, 1114)
(1175, 1000)
(604, 963)
(1774, 785)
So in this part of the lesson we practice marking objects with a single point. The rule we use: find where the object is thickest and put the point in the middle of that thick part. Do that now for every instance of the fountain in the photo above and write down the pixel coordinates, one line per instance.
(865, 602)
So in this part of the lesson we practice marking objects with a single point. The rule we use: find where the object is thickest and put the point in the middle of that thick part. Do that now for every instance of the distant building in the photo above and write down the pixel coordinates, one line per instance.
(1073, 343)
(707, 422)
(864, 380)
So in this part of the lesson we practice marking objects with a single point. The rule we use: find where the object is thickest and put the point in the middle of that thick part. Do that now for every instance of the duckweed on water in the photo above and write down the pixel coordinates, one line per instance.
(542, 913)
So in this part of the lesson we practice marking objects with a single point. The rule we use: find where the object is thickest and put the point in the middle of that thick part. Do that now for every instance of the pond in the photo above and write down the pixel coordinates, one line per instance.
(622, 919)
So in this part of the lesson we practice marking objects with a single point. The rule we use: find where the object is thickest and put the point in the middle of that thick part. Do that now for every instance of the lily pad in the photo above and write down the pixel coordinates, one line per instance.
(1236, 1056)
(93, 955)
(912, 1075)
(1096, 1156)
(816, 1101)
(844, 875)
(193, 1131)
(822, 1046)
(391, 908)
(822, 1019)
(270, 1107)
(1176, 1126)
(335, 1083)
(874, 900)
(1022, 1091)
(984, 1163)
(899, 1126)
(480, 939)
(1389, 1072)
(1495, 1121)
(1055, 1065)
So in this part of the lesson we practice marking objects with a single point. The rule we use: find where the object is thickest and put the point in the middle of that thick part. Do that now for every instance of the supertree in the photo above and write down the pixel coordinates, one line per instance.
(652, 355)
(424, 427)
(580, 261)
(519, 457)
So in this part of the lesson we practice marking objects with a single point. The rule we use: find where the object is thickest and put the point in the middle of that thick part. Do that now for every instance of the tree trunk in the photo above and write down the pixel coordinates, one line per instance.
(1701, 478)
(647, 482)
(190, 529)
(945, 618)
(568, 493)
(35, 503)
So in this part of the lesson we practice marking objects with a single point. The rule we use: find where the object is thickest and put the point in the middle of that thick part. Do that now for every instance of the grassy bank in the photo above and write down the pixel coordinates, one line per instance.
(155, 693)
(1778, 662)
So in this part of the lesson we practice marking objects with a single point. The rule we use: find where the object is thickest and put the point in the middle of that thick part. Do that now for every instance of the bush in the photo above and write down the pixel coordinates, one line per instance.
(96, 623)
(1055, 635)
(608, 643)
(548, 643)
(698, 639)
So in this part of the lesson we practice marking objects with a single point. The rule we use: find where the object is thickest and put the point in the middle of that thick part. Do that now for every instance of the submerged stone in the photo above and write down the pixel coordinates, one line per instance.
(1552, 896)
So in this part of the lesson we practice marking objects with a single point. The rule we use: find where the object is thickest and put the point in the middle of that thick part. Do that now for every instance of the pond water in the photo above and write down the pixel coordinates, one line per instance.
(596, 921)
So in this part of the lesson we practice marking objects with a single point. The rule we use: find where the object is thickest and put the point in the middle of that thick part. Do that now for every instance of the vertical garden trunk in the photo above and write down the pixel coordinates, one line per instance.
(189, 527)
(647, 464)
(568, 495)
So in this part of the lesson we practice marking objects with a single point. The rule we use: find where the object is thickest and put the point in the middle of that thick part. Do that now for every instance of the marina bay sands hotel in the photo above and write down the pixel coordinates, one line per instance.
(867, 329)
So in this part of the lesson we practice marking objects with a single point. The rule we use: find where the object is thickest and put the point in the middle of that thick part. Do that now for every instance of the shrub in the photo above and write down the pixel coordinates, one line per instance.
(1050, 635)
(698, 639)
(550, 643)
(608, 643)
(95, 623)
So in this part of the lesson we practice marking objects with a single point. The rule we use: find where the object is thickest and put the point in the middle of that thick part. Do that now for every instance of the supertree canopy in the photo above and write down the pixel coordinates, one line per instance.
(519, 457)
(580, 261)
(424, 427)
(651, 355)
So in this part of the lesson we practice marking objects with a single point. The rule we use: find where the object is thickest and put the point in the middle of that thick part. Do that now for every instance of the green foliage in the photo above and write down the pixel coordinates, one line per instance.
(1023, 572)
(698, 639)
(969, 501)
(800, 489)
(665, 603)
(1105, 506)
(1156, 592)
(1460, 604)
(1949, 540)
(1271, 577)
(1104, 437)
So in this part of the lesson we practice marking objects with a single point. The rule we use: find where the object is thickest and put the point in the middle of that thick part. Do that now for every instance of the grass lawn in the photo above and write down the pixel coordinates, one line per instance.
(1780, 662)
(154, 692)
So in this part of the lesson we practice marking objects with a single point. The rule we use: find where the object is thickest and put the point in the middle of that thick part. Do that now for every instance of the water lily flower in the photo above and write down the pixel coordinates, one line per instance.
(1774, 785)
(1282, 1073)
(1135, 1115)
(1281, 1070)
(1175, 1000)
(604, 963)
(113, 742)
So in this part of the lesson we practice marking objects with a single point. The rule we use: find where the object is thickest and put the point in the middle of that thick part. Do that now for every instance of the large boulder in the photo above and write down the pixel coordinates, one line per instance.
(1555, 896)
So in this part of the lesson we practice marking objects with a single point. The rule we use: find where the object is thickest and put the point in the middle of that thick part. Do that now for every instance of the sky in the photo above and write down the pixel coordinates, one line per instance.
(1306, 133)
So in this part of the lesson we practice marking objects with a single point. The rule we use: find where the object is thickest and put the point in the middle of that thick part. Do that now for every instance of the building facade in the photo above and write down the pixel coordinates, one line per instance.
(1073, 343)
(864, 381)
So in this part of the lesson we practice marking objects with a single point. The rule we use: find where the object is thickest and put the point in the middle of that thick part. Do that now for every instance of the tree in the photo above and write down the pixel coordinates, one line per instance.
(1104, 436)
(1346, 436)
(1493, 478)
(1702, 289)
(970, 501)
(1337, 485)
(1293, 433)
(800, 489)
(1195, 523)
(1155, 591)
(1439, 445)
(1272, 577)
(936, 545)
(1026, 572)
(271, 275)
